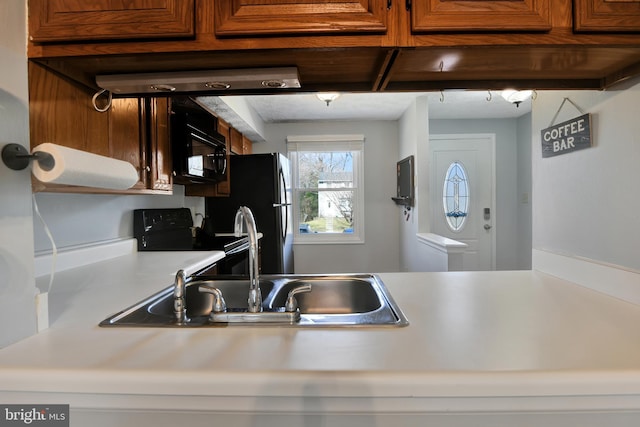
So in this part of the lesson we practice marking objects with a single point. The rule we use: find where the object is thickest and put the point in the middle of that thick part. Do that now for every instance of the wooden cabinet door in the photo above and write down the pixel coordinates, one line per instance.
(127, 136)
(236, 142)
(73, 20)
(607, 15)
(132, 129)
(247, 145)
(277, 17)
(159, 160)
(62, 113)
(480, 15)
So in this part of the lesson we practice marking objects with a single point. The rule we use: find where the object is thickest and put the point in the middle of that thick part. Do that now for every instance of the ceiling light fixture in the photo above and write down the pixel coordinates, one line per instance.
(516, 96)
(327, 97)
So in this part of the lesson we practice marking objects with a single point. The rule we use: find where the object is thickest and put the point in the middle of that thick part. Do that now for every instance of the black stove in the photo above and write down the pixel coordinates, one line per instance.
(172, 230)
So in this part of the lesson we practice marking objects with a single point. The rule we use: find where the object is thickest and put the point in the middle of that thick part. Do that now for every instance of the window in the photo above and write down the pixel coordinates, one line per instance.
(328, 194)
(455, 196)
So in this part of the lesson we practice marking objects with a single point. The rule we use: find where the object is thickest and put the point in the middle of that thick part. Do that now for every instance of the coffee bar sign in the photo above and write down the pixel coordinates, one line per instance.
(565, 137)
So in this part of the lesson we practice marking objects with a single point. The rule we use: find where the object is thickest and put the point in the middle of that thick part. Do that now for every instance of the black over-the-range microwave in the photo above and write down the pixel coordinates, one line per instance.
(199, 151)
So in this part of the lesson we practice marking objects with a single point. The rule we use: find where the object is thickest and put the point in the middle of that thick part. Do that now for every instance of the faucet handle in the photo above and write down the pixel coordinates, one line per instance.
(292, 304)
(219, 304)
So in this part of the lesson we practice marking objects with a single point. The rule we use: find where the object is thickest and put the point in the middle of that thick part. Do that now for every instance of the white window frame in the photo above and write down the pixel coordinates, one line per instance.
(319, 143)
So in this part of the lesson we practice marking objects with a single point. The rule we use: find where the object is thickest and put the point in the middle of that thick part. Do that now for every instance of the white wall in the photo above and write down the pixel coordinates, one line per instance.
(81, 219)
(17, 285)
(73, 219)
(587, 203)
(379, 253)
(507, 224)
(414, 140)
(524, 222)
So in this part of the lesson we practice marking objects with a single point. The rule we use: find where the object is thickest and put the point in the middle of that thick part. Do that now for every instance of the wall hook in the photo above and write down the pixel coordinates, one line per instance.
(107, 105)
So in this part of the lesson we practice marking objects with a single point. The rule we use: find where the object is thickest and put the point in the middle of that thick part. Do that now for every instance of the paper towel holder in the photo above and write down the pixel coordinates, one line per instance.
(16, 157)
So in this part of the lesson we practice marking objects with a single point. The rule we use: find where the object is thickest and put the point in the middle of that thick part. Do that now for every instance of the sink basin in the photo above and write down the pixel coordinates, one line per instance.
(334, 300)
(157, 310)
(340, 295)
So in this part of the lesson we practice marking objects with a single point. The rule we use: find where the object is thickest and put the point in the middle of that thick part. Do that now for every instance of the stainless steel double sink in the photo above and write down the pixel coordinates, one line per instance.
(334, 301)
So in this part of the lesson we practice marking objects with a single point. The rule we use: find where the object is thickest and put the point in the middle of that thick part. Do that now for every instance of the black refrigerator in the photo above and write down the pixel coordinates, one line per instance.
(262, 182)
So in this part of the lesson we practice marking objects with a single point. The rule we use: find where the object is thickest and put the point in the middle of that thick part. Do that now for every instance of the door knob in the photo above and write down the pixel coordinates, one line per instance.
(487, 227)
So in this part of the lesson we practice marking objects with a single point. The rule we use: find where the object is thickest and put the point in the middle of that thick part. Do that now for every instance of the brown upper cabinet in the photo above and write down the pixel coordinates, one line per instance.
(159, 162)
(247, 145)
(277, 17)
(269, 17)
(240, 144)
(356, 45)
(480, 15)
(77, 20)
(607, 15)
(236, 142)
(132, 129)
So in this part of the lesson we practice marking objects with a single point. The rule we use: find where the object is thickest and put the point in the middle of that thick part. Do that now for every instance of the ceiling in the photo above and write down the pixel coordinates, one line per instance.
(367, 106)
(384, 106)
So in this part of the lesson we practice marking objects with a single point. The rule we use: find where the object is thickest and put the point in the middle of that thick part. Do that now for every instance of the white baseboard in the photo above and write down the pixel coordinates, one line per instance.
(613, 280)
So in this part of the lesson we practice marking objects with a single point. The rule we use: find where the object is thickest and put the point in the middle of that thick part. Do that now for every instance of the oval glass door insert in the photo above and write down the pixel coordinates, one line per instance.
(455, 196)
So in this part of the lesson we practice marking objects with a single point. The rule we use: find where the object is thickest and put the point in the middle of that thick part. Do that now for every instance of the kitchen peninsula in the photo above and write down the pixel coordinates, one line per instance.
(478, 351)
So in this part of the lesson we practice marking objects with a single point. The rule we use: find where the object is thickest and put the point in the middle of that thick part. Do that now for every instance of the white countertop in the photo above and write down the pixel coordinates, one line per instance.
(498, 335)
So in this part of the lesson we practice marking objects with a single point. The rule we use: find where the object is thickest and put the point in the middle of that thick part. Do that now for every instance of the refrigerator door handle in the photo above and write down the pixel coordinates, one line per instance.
(286, 203)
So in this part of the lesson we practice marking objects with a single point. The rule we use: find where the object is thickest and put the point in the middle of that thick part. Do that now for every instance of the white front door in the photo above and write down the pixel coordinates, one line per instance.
(464, 208)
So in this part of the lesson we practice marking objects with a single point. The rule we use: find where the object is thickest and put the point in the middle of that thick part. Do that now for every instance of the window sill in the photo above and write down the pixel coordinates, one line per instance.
(315, 239)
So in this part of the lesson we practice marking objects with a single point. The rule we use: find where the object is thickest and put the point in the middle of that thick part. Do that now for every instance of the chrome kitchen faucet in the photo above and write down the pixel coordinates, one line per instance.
(254, 313)
(245, 215)
(179, 291)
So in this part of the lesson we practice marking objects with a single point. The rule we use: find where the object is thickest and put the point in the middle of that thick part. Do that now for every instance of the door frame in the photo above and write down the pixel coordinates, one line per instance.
(491, 140)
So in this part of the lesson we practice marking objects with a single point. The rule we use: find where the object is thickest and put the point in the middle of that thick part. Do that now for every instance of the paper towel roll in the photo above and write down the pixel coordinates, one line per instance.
(76, 167)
